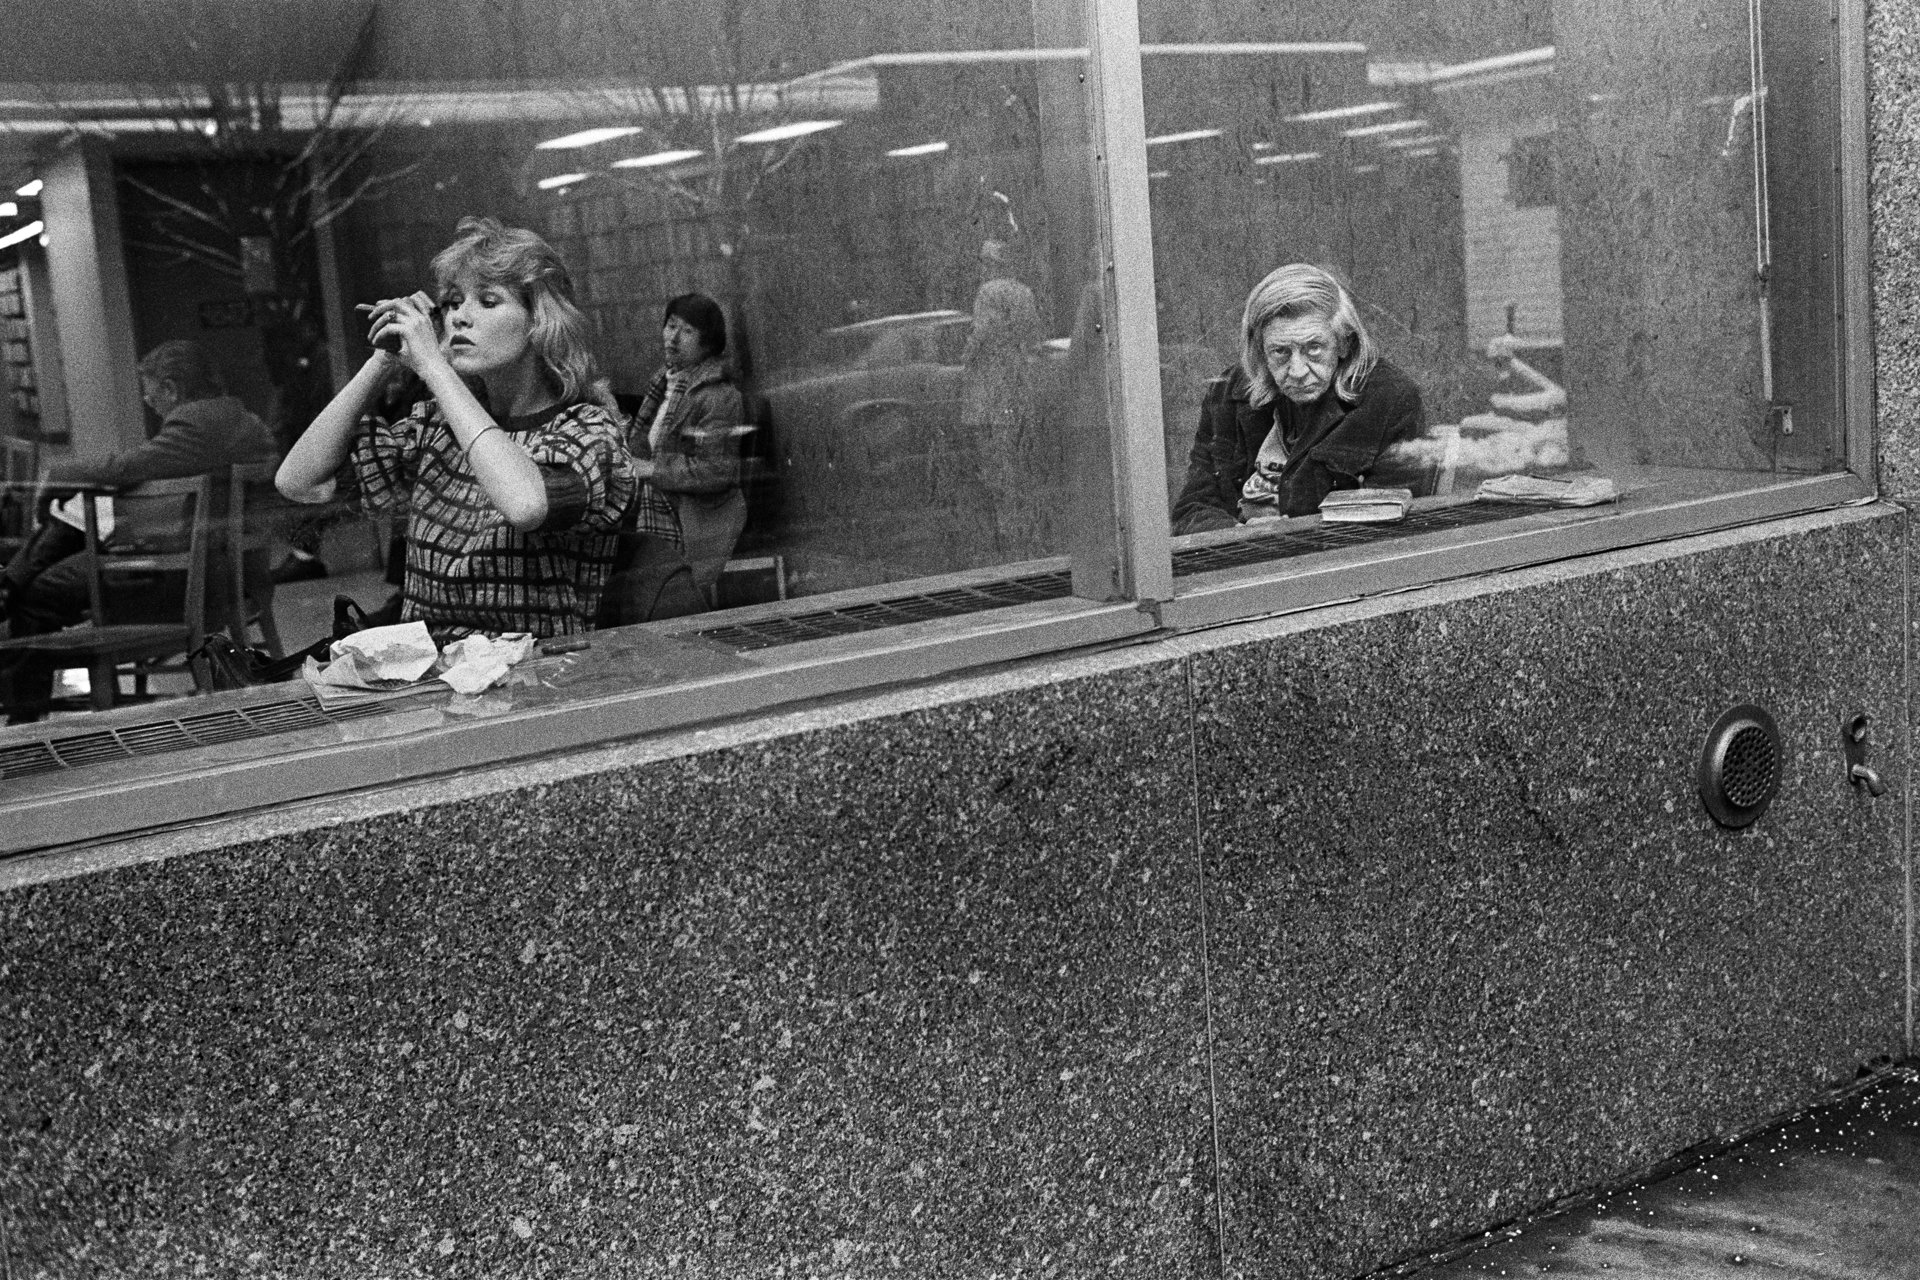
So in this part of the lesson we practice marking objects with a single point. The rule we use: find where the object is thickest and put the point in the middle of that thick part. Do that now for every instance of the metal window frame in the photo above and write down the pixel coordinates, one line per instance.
(1213, 599)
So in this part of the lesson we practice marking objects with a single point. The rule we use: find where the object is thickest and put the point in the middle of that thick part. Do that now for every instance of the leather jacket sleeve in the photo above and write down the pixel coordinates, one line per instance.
(1210, 497)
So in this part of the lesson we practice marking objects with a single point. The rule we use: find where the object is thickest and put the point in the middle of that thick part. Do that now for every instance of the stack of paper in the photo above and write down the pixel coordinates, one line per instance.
(1534, 491)
(1365, 506)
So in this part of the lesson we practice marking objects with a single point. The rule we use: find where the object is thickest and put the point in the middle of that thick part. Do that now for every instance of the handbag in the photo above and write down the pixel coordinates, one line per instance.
(222, 663)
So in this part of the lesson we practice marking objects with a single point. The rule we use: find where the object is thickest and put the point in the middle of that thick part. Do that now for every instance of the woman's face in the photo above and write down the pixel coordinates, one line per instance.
(1302, 354)
(682, 344)
(486, 327)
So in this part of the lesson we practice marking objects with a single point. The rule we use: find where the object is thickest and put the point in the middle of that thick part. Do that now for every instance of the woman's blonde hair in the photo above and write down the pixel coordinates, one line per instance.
(1297, 291)
(516, 258)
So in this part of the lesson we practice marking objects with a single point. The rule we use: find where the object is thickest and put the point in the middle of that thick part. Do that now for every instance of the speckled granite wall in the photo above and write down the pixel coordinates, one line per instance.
(921, 997)
(1893, 155)
(1474, 941)
(925, 993)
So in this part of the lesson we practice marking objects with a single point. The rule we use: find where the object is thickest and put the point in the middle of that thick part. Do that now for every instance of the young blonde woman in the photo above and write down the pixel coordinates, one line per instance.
(514, 475)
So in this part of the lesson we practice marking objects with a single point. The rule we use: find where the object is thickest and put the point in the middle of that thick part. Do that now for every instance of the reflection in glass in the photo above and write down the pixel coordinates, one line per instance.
(1544, 211)
(888, 217)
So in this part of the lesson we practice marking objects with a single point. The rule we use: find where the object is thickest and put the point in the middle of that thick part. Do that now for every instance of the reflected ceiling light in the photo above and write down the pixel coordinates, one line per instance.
(785, 132)
(657, 158)
(586, 138)
(1295, 157)
(31, 190)
(1191, 135)
(8, 209)
(1366, 168)
(560, 180)
(1421, 152)
(1159, 173)
(1375, 130)
(1345, 113)
(924, 149)
(1424, 140)
(27, 232)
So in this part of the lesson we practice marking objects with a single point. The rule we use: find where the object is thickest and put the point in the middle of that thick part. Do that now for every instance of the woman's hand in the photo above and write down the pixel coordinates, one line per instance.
(409, 322)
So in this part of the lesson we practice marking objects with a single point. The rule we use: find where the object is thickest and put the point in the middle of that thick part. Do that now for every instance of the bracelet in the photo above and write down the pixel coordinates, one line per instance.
(491, 426)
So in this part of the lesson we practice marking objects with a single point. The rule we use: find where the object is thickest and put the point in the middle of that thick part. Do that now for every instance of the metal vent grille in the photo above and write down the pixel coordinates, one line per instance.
(1740, 765)
(1750, 771)
(1283, 544)
(879, 614)
(175, 733)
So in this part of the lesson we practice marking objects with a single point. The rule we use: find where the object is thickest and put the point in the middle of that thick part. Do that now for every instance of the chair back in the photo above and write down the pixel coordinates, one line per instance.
(195, 497)
(246, 544)
(19, 465)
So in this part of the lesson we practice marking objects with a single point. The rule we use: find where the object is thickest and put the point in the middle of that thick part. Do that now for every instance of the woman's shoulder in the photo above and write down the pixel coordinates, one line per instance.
(1388, 384)
(585, 417)
(1229, 384)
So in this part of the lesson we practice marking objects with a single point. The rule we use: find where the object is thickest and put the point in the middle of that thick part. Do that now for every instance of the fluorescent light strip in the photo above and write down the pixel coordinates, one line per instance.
(1296, 157)
(656, 159)
(586, 138)
(1345, 113)
(1159, 173)
(924, 149)
(1424, 140)
(27, 232)
(785, 132)
(1375, 130)
(1505, 61)
(8, 209)
(1191, 135)
(560, 180)
(1421, 153)
(31, 190)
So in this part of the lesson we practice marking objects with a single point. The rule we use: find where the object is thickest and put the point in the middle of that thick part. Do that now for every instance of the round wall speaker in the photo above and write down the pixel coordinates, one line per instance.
(1740, 766)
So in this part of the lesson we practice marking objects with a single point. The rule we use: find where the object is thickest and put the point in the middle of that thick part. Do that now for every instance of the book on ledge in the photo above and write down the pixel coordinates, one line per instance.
(1365, 506)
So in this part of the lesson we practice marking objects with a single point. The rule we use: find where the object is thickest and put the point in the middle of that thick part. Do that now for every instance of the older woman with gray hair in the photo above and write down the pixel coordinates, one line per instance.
(1311, 407)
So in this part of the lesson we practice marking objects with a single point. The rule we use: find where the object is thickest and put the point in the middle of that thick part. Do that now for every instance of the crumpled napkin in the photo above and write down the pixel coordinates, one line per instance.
(480, 662)
(402, 657)
(379, 657)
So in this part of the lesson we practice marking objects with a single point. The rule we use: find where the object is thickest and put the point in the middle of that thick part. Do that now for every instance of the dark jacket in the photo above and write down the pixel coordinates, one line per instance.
(199, 437)
(700, 453)
(1330, 445)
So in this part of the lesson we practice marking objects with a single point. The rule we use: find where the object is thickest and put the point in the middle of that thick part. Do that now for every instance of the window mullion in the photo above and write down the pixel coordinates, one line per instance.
(1132, 350)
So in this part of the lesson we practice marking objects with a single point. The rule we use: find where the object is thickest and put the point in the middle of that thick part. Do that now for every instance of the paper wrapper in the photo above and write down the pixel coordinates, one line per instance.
(381, 657)
(480, 662)
(383, 662)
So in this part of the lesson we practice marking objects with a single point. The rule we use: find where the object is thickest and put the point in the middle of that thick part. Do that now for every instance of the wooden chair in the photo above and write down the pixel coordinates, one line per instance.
(247, 558)
(19, 465)
(103, 646)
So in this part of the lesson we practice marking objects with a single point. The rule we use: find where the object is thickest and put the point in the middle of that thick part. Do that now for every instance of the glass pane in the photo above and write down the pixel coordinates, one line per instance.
(1544, 214)
(838, 263)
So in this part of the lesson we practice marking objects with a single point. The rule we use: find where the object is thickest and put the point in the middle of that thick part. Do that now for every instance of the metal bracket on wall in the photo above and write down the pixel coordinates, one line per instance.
(1854, 745)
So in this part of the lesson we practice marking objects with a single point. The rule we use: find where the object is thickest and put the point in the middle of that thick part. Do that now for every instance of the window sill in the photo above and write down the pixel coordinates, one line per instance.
(1655, 505)
(632, 682)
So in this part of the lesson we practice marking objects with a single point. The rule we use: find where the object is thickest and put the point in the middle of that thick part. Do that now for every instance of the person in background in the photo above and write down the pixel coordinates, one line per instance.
(203, 430)
(1311, 407)
(515, 477)
(687, 433)
(997, 412)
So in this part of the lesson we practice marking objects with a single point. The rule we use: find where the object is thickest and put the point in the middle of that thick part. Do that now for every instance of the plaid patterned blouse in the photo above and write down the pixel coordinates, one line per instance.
(468, 570)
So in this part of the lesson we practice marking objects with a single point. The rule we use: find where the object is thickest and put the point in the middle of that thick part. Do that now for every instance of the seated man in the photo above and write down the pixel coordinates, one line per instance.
(1311, 407)
(202, 430)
